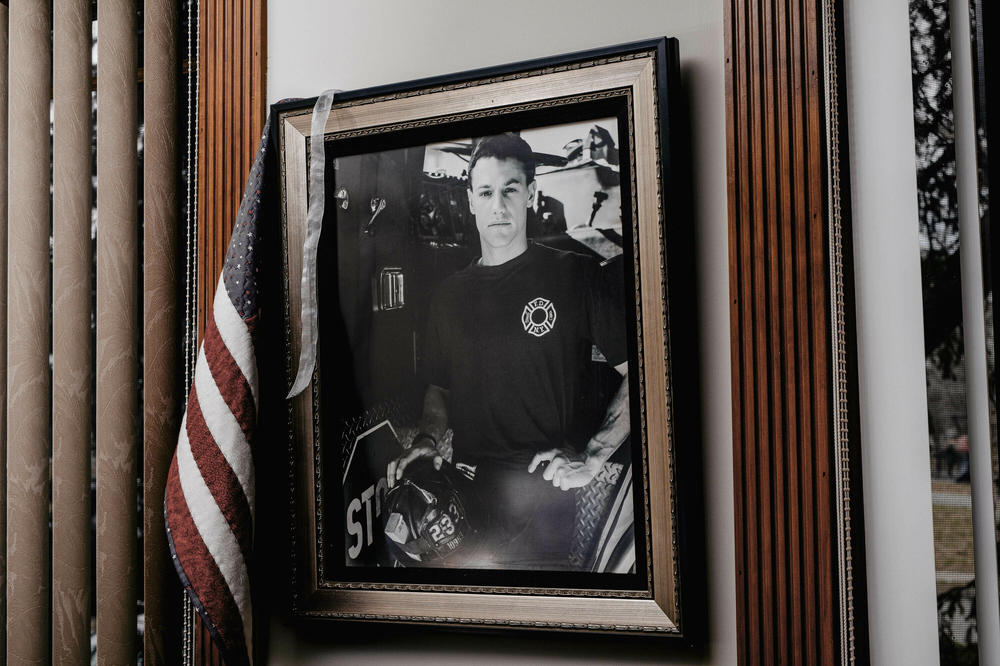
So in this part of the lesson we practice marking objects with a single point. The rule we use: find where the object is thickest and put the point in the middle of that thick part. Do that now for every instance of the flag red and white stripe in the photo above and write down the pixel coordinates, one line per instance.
(209, 501)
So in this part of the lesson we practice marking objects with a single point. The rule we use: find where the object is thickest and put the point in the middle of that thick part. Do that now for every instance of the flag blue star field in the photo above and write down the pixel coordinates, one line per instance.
(209, 501)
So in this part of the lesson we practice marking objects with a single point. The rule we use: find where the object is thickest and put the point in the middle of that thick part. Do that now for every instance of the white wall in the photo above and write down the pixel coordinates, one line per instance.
(315, 44)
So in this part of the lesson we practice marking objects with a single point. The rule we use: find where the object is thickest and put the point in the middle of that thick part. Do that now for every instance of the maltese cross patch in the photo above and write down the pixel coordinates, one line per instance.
(539, 317)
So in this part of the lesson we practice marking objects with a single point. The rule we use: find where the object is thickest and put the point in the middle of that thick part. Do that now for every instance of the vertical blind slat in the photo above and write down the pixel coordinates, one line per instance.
(214, 249)
(3, 328)
(245, 148)
(117, 342)
(161, 329)
(28, 380)
(71, 336)
(203, 184)
(258, 71)
(231, 114)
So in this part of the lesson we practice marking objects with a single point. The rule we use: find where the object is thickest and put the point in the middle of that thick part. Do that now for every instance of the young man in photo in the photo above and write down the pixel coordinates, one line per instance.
(508, 341)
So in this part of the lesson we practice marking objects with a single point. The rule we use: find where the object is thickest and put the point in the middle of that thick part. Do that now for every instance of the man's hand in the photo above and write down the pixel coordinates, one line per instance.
(394, 471)
(566, 469)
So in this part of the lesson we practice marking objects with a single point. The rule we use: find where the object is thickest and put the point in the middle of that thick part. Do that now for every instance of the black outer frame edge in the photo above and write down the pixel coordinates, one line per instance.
(482, 73)
(677, 228)
(275, 498)
(856, 516)
(296, 593)
(678, 237)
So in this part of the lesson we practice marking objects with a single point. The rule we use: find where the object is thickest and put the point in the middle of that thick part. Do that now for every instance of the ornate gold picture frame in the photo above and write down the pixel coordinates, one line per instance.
(397, 224)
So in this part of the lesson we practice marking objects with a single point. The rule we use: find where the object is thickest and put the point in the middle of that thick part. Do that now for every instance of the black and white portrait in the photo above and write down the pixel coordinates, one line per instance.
(475, 300)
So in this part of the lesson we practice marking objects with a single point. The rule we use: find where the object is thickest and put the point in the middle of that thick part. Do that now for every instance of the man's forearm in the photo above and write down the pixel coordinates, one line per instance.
(614, 428)
(432, 427)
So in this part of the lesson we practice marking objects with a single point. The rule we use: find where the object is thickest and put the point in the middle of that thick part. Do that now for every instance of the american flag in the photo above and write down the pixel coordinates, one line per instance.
(209, 501)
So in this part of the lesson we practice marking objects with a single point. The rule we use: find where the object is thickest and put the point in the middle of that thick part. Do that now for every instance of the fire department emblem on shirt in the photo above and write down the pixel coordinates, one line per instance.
(539, 317)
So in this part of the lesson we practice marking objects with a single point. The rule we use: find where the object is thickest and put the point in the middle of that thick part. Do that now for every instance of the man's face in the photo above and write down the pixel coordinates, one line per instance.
(499, 199)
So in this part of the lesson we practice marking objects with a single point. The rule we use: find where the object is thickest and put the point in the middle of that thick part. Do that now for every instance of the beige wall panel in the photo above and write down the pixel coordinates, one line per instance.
(71, 337)
(161, 329)
(28, 379)
(117, 353)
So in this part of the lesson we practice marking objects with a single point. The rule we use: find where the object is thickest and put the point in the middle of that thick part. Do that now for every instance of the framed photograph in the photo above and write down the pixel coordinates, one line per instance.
(501, 430)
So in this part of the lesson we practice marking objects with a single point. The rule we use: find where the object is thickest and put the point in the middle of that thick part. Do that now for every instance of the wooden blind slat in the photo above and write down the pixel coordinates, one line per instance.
(229, 158)
(71, 335)
(258, 84)
(28, 380)
(245, 143)
(161, 325)
(217, 199)
(3, 326)
(202, 139)
(117, 331)
(231, 115)
(786, 586)
(232, 112)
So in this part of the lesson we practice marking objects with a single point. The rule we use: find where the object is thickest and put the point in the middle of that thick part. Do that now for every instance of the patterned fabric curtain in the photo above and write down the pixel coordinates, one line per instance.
(88, 310)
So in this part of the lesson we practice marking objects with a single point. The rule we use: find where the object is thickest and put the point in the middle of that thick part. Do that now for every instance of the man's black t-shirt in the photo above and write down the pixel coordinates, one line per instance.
(511, 343)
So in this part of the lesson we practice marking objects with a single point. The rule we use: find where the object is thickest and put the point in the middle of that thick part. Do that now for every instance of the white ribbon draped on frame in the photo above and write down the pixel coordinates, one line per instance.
(314, 227)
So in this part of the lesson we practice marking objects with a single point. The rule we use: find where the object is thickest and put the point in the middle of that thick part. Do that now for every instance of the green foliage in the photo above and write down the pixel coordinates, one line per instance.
(934, 129)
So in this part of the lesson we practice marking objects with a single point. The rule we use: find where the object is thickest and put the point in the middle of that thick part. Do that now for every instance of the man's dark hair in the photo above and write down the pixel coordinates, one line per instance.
(505, 146)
